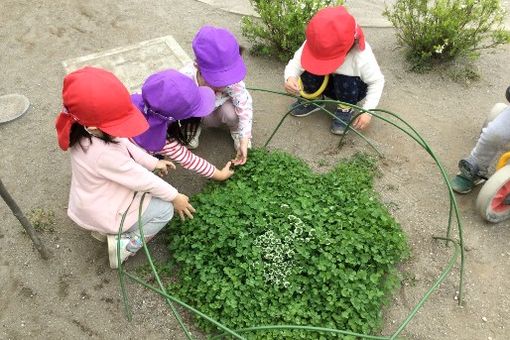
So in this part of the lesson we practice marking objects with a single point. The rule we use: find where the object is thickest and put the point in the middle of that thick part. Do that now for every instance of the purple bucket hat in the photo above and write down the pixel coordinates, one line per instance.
(169, 96)
(217, 56)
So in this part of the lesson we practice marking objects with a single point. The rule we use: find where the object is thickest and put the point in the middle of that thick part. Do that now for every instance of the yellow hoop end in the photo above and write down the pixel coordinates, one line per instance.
(503, 160)
(317, 93)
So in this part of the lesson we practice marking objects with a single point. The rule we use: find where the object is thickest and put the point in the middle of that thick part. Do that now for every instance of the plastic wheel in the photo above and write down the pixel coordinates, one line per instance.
(492, 199)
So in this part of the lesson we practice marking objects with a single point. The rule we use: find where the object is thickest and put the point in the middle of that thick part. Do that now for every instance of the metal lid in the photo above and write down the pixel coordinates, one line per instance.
(12, 106)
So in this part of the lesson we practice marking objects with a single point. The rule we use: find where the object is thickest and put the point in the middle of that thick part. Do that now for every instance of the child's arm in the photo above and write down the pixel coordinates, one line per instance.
(140, 156)
(371, 74)
(188, 160)
(294, 68)
(243, 107)
(116, 166)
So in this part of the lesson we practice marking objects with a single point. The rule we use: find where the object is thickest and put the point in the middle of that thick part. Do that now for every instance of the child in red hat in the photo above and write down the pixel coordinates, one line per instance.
(219, 65)
(172, 103)
(109, 173)
(335, 47)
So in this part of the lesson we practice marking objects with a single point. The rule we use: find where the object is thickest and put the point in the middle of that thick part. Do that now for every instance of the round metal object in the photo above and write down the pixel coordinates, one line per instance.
(493, 197)
(12, 106)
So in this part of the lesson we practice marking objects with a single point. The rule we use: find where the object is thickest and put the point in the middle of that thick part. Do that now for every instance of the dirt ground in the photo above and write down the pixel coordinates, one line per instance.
(76, 295)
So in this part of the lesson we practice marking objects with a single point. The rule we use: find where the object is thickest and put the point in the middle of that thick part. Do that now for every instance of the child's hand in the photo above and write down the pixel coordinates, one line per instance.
(163, 165)
(183, 207)
(242, 152)
(362, 121)
(223, 174)
(292, 85)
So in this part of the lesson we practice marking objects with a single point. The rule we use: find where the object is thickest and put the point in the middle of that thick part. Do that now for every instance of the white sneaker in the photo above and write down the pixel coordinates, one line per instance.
(195, 141)
(98, 236)
(237, 141)
(112, 250)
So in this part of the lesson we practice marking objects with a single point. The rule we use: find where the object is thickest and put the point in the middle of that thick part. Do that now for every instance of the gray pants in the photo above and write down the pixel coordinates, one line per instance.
(154, 218)
(493, 139)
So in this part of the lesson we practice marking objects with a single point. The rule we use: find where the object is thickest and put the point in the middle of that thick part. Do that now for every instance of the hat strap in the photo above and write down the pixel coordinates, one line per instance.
(63, 124)
(147, 110)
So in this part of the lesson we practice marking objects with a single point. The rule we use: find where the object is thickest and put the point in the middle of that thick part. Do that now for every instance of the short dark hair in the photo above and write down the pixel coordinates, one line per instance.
(183, 130)
(78, 132)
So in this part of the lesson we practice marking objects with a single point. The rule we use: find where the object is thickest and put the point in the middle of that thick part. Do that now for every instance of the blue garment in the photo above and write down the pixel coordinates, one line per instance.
(348, 89)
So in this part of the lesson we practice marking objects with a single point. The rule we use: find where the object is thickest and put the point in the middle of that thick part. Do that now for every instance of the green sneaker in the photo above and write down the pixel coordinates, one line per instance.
(467, 178)
(461, 184)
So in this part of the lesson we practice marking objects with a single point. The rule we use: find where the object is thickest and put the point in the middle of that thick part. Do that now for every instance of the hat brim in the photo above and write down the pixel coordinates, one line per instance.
(222, 78)
(206, 104)
(131, 124)
(320, 67)
(154, 138)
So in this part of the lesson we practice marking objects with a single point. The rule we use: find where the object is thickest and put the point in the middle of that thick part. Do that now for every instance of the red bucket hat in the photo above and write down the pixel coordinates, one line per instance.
(95, 97)
(330, 35)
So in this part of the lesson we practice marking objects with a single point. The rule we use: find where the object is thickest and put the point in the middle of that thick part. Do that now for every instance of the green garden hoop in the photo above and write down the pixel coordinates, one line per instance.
(453, 213)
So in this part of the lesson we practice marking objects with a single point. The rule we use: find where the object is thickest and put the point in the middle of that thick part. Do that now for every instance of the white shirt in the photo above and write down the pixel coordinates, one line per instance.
(357, 63)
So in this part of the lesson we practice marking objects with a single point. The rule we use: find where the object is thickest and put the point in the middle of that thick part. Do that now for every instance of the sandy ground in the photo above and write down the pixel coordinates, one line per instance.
(76, 295)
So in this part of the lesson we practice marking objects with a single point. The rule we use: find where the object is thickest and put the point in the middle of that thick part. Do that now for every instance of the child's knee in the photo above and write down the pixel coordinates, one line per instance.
(168, 212)
(495, 111)
(349, 89)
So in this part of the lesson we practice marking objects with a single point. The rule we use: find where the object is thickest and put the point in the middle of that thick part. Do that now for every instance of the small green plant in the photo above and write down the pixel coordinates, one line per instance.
(443, 30)
(281, 29)
(279, 244)
(42, 219)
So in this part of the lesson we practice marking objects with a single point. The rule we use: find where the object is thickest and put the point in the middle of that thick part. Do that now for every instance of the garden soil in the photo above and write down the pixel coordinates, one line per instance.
(76, 295)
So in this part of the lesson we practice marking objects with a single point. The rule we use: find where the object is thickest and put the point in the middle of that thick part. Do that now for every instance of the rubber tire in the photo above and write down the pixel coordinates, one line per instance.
(487, 193)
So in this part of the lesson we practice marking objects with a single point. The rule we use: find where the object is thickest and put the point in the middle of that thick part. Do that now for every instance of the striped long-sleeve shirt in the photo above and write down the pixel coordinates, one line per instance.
(178, 153)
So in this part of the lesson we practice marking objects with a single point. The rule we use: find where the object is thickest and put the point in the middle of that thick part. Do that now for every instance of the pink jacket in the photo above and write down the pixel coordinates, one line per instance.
(104, 180)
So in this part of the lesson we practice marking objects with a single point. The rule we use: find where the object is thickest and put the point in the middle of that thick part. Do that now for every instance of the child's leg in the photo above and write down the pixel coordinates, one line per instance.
(493, 138)
(347, 89)
(153, 219)
(224, 115)
(495, 111)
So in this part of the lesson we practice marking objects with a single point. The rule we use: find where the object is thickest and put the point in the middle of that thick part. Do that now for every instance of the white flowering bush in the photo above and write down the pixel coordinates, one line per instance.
(281, 28)
(278, 251)
(444, 30)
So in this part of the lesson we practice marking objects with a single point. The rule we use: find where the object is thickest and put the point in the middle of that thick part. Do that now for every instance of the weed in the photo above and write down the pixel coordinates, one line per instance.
(42, 220)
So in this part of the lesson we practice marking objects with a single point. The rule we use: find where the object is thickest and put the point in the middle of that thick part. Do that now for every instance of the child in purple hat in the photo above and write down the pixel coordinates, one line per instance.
(171, 102)
(219, 65)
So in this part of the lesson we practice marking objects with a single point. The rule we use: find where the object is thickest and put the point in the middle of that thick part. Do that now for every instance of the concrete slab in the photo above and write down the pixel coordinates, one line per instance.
(134, 63)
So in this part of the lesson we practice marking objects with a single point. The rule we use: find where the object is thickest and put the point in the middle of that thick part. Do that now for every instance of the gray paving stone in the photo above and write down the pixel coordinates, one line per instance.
(134, 63)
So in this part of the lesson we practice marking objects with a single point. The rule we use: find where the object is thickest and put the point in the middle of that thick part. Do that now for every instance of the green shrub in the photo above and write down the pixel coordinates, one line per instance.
(278, 244)
(444, 30)
(281, 28)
